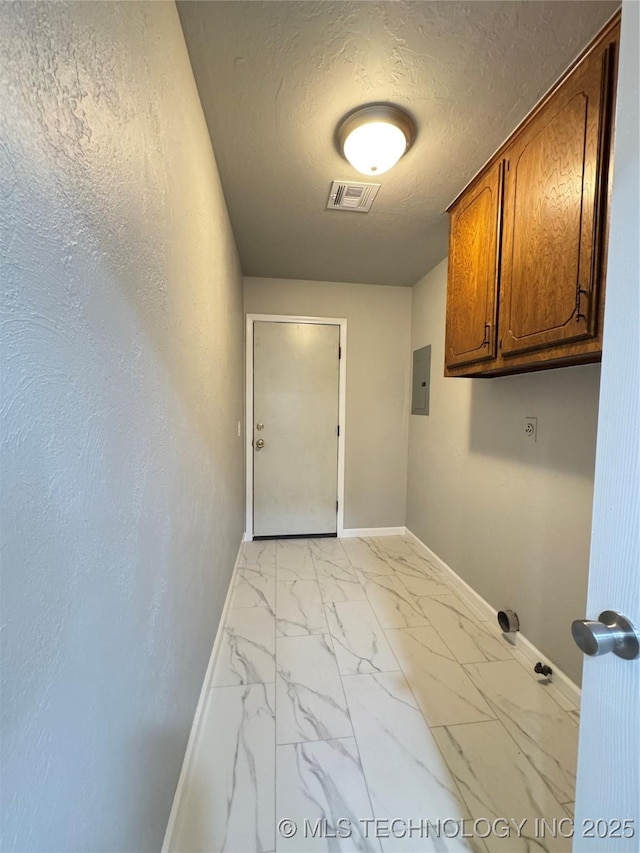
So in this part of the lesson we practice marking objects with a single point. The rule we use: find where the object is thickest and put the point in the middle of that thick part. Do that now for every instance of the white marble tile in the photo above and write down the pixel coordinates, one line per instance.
(328, 548)
(265, 568)
(497, 781)
(392, 602)
(365, 554)
(412, 562)
(358, 639)
(469, 640)
(299, 609)
(536, 722)
(260, 552)
(474, 606)
(229, 797)
(311, 702)
(417, 549)
(404, 770)
(573, 714)
(418, 576)
(338, 582)
(322, 781)
(442, 688)
(294, 561)
(415, 582)
(253, 588)
(393, 545)
(548, 685)
(247, 651)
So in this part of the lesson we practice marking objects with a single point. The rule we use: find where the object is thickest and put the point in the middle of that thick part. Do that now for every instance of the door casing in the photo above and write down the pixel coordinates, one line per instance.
(248, 428)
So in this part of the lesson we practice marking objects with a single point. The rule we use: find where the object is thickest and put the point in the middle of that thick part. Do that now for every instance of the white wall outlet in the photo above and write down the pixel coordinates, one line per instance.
(531, 429)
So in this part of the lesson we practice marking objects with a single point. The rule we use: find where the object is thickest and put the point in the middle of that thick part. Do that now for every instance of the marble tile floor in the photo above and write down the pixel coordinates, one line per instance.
(360, 703)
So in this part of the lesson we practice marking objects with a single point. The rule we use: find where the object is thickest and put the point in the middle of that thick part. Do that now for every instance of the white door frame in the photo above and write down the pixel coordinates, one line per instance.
(342, 406)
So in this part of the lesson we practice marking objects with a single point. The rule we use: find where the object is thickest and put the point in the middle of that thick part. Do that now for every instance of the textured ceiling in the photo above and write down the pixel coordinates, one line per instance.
(276, 77)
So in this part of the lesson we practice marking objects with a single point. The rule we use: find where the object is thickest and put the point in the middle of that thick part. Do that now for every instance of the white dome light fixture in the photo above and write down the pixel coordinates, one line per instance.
(374, 137)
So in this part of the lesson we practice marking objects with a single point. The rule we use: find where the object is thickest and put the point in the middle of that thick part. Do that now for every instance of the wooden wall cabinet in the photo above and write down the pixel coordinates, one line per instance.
(527, 241)
(472, 287)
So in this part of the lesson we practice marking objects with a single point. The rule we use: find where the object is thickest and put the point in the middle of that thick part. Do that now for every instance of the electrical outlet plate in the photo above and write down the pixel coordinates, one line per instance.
(531, 428)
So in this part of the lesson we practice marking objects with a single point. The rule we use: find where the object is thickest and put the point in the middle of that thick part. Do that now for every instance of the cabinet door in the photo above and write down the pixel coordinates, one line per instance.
(555, 192)
(473, 272)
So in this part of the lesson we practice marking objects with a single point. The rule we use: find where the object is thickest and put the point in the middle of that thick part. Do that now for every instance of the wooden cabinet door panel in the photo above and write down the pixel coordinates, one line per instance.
(473, 272)
(552, 199)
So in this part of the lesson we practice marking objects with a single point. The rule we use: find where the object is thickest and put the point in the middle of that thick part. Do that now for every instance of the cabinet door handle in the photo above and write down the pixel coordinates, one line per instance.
(580, 292)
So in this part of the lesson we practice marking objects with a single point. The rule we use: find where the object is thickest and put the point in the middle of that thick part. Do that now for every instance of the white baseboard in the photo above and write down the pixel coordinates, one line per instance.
(562, 681)
(197, 718)
(353, 532)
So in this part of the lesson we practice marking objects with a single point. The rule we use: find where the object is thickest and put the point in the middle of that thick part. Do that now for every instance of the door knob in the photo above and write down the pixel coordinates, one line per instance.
(611, 633)
(260, 443)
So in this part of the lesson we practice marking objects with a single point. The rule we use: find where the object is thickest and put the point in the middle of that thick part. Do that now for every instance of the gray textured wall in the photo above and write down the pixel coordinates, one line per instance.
(513, 518)
(121, 392)
(378, 390)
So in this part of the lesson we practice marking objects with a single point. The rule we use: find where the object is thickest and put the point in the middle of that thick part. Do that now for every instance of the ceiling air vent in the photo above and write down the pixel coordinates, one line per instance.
(352, 196)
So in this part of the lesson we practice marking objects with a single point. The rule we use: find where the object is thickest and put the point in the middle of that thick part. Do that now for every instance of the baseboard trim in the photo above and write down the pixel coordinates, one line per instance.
(562, 681)
(353, 532)
(197, 718)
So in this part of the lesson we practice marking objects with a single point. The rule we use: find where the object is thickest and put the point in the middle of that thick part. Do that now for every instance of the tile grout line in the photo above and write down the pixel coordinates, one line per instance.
(342, 676)
(319, 740)
(453, 656)
(384, 631)
(418, 547)
(330, 635)
(534, 680)
(452, 660)
(524, 756)
(346, 703)
(458, 594)
(399, 669)
(424, 717)
(497, 718)
(454, 779)
(470, 723)
(355, 734)
(519, 747)
(518, 659)
(364, 775)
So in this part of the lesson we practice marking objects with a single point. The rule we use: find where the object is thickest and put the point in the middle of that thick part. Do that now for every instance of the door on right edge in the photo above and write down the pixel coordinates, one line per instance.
(608, 788)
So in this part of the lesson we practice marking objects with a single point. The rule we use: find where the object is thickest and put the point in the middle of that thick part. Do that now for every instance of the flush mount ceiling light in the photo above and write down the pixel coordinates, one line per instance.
(373, 138)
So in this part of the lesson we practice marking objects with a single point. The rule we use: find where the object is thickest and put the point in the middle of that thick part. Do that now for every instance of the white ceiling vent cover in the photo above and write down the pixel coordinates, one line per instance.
(352, 196)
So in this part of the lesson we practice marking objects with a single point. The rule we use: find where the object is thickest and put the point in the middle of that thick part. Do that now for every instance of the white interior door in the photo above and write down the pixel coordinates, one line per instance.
(608, 788)
(295, 428)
